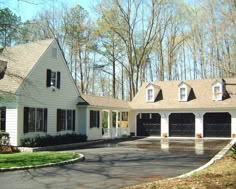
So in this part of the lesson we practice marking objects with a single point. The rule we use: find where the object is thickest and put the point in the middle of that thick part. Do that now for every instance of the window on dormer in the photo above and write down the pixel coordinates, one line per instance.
(150, 94)
(182, 93)
(217, 93)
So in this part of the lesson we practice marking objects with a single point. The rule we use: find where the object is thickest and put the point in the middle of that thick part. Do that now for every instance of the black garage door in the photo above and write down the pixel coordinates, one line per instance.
(182, 124)
(148, 124)
(217, 125)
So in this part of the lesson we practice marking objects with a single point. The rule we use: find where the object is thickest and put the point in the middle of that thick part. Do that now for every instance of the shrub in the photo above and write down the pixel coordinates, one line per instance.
(4, 138)
(48, 140)
(233, 149)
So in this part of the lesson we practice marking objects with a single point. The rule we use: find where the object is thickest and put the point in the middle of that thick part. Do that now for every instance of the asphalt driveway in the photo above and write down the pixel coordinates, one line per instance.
(115, 165)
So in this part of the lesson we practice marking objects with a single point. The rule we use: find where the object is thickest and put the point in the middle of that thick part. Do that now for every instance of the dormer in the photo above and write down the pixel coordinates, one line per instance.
(218, 90)
(183, 91)
(3, 68)
(152, 91)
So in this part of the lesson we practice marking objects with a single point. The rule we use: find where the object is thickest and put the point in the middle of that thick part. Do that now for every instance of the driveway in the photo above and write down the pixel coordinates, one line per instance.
(115, 165)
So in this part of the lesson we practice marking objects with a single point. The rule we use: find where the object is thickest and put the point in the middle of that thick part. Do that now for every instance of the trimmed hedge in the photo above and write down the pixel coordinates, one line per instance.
(48, 140)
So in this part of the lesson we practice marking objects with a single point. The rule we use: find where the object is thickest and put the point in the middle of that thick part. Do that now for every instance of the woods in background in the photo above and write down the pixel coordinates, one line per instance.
(133, 41)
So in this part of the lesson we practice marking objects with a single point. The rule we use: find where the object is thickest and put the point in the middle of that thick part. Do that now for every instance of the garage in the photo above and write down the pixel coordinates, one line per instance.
(182, 125)
(217, 124)
(148, 124)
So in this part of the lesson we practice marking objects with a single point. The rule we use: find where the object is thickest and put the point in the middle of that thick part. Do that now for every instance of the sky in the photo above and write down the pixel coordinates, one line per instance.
(26, 9)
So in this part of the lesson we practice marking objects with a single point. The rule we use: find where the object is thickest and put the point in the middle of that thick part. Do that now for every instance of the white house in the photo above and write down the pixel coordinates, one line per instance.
(37, 92)
(38, 97)
(197, 108)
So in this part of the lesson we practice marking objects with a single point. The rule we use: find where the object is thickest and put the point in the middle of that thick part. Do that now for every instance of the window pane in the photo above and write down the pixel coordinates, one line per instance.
(31, 120)
(39, 121)
(182, 93)
(94, 118)
(63, 120)
(150, 94)
(69, 119)
(53, 79)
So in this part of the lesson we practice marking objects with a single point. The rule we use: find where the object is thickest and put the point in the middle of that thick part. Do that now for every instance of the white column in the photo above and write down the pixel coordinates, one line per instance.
(165, 124)
(117, 128)
(109, 122)
(233, 124)
(199, 124)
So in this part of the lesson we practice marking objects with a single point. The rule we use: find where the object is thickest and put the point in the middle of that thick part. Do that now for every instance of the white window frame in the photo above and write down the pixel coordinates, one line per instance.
(35, 110)
(182, 94)
(217, 94)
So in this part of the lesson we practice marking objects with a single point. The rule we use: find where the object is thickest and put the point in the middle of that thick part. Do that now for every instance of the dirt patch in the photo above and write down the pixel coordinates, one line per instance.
(221, 174)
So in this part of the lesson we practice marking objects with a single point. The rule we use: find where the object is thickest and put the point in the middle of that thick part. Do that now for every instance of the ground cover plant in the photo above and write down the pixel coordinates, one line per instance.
(35, 158)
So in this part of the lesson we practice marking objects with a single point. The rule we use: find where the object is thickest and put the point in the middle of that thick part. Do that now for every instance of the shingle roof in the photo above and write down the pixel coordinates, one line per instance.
(101, 101)
(21, 59)
(201, 96)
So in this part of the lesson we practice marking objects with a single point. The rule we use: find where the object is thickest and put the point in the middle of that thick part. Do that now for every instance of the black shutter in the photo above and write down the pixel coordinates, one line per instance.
(58, 80)
(73, 125)
(98, 114)
(26, 116)
(48, 81)
(45, 119)
(58, 120)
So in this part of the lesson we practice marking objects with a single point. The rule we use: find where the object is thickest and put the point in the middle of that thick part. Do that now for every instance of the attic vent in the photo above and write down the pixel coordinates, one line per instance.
(3, 68)
(54, 53)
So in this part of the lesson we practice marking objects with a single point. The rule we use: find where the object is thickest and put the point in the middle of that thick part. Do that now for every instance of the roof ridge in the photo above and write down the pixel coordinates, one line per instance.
(102, 97)
(30, 43)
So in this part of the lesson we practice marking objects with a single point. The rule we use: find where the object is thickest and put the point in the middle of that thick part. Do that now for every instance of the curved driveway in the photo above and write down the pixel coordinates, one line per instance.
(117, 165)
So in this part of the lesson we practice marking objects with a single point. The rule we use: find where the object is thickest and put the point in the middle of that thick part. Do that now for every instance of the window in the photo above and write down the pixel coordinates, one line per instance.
(2, 119)
(124, 116)
(35, 120)
(150, 94)
(53, 79)
(94, 119)
(182, 94)
(65, 120)
(217, 93)
(3, 68)
(54, 53)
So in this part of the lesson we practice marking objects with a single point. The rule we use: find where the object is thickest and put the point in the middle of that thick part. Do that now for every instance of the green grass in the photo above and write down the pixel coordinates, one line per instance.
(35, 158)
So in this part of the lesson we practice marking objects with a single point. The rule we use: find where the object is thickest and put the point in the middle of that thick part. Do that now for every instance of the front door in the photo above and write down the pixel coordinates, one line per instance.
(3, 119)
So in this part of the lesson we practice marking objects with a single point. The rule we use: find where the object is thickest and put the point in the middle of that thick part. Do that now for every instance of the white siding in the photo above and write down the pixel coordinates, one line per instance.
(93, 133)
(11, 125)
(34, 92)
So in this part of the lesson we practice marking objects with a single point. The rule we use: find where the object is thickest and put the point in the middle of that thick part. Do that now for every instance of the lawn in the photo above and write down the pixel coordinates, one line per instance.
(35, 158)
(221, 174)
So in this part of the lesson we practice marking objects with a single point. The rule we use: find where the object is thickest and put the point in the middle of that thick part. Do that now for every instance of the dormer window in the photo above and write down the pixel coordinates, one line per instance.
(218, 90)
(182, 94)
(183, 91)
(151, 92)
(3, 68)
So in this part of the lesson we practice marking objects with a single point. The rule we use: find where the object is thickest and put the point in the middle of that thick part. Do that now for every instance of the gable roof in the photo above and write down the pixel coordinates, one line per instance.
(201, 96)
(106, 102)
(20, 61)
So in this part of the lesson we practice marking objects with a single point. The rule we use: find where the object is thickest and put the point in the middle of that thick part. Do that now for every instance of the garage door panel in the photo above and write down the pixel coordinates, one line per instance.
(148, 125)
(182, 125)
(217, 125)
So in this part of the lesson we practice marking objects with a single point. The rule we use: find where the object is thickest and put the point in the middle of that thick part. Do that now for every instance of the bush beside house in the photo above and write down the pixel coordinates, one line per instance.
(48, 140)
